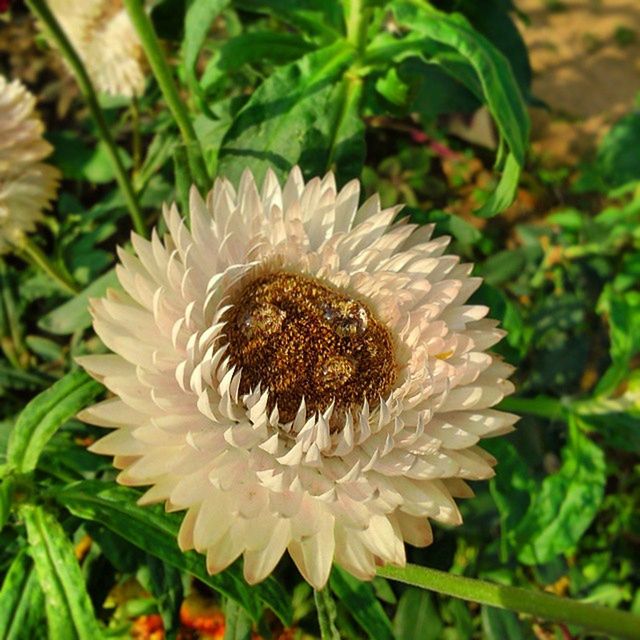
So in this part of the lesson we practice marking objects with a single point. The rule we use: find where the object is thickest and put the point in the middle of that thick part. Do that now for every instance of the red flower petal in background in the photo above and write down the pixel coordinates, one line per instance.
(4, 5)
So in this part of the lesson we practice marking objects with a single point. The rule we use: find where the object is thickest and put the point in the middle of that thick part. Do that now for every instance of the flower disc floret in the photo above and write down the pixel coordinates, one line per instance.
(298, 373)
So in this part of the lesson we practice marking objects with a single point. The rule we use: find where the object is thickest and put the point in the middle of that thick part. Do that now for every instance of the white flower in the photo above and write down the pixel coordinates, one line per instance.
(298, 374)
(27, 186)
(106, 41)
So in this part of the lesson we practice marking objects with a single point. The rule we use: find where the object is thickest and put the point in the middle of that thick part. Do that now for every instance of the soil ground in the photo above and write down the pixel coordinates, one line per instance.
(586, 60)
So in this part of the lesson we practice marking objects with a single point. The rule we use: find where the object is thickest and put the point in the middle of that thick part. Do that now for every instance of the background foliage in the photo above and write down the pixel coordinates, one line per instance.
(373, 91)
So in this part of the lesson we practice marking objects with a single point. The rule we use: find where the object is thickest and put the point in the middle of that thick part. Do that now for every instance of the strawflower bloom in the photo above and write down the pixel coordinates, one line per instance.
(27, 185)
(298, 373)
(107, 43)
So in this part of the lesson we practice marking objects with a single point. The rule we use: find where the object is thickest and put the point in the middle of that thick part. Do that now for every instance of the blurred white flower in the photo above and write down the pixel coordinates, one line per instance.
(27, 186)
(106, 41)
(298, 374)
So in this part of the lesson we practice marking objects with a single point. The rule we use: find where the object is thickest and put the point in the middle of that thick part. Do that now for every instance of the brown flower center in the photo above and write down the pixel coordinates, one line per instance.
(301, 338)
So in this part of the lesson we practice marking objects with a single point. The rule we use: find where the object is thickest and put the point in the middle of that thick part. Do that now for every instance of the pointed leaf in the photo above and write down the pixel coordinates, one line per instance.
(155, 531)
(69, 610)
(45, 414)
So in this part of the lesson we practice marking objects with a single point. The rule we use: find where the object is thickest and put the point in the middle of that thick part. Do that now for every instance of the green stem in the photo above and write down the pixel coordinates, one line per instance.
(13, 344)
(540, 406)
(611, 622)
(327, 614)
(33, 254)
(357, 18)
(41, 10)
(136, 141)
(162, 72)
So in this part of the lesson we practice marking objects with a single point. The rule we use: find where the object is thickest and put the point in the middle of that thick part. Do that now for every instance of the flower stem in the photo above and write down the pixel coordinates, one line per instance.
(12, 344)
(136, 141)
(41, 10)
(357, 17)
(162, 72)
(33, 254)
(540, 406)
(326, 608)
(611, 622)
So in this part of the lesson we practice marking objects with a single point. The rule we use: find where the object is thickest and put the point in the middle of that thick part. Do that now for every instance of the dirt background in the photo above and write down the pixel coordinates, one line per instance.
(586, 60)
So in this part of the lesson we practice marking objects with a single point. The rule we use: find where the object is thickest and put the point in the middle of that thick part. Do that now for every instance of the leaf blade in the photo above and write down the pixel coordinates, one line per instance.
(155, 531)
(69, 610)
(45, 414)
(291, 118)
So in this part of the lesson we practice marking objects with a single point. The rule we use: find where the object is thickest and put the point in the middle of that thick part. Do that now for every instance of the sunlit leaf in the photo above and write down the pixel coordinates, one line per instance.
(304, 114)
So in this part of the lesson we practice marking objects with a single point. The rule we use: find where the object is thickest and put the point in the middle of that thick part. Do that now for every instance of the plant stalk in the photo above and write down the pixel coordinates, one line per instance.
(162, 73)
(612, 623)
(136, 140)
(53, 29)
(32, 253)
(540, 406)
(327, 614)
(357, 18)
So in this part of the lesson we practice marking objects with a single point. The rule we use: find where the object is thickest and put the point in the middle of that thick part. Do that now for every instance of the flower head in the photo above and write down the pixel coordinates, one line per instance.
(106, 41)
(27, 185)
(298, 373)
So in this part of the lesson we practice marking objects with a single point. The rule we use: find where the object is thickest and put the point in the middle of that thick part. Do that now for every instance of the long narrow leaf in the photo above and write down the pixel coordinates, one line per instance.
(69, 610)
(155, 531)
(361, 602)
(21, 601)
(45, 414)
(499, 86)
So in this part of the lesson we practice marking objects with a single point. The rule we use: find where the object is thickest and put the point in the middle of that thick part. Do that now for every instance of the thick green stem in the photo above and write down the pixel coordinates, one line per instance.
(357, 18)
(12, 345)
(613, 623)
(326, 609)
(540, 406)
(136, 139)
(40, 9)
(162, 72)
(33, 254)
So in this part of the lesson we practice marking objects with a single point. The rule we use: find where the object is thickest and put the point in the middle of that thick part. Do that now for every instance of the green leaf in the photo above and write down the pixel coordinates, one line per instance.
(197, 24)
(21, 601)
(498, 624)
(361, 602)
(623, 310)
(69, 610)
(302, 114)
(511, 489)
(155, 531)
(250, 48)
(74, 315)
(618, 157)
(417, 617)
(164, 582)
(500, 89)
(321, 18)
(78, 161)
(45, 414)
(237, 625)
(566, 503)
(5, 502)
